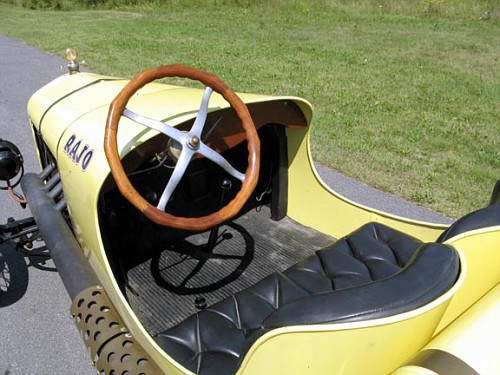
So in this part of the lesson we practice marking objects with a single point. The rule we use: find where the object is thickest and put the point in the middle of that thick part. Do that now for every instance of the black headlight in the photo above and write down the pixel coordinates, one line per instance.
(11, 161)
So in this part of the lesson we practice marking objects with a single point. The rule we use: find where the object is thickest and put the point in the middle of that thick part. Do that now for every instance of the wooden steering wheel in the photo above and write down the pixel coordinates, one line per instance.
(191, 145)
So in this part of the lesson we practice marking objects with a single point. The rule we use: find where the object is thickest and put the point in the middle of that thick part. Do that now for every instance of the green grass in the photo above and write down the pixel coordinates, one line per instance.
(406, 93)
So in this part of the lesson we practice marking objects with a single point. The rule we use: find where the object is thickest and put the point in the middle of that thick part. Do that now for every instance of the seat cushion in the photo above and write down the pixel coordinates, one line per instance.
(374, 272)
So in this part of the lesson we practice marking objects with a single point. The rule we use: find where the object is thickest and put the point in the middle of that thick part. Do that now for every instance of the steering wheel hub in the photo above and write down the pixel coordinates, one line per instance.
(193, 142)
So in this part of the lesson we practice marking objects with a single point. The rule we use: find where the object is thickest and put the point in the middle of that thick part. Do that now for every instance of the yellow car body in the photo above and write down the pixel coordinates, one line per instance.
(459, 328)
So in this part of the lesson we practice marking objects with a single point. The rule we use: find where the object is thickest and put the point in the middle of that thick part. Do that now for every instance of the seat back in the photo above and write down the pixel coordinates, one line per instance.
(482, 218)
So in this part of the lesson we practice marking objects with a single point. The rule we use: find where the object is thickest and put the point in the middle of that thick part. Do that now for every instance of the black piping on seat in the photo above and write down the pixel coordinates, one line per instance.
(372, 273)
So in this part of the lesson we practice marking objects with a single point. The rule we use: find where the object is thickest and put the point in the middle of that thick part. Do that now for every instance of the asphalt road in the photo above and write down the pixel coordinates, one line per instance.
(37, 336)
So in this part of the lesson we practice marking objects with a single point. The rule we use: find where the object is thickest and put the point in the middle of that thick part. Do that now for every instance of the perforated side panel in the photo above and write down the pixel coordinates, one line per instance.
(111, 346)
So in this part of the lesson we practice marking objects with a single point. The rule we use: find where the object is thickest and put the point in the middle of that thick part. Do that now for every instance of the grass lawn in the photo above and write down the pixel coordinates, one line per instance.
(406, 99)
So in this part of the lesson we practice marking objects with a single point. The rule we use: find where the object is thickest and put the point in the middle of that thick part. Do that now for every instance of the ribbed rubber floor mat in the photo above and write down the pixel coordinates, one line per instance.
(247, 250)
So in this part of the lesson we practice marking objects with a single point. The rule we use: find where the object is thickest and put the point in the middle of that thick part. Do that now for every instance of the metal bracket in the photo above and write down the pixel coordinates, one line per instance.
(21, 232)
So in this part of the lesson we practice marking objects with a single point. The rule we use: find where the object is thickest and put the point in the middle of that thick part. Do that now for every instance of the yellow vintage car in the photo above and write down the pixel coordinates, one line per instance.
(194, 236)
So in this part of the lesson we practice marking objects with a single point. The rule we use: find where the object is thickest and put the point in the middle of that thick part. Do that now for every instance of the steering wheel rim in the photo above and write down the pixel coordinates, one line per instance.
(116, 110)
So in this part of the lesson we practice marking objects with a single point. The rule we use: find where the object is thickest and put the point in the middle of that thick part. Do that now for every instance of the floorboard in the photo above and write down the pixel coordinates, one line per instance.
(162, 291)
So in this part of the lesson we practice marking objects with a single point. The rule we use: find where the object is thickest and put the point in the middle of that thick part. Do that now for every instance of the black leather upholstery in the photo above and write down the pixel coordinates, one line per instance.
(482, 218)
(495, 194)
(374, 272)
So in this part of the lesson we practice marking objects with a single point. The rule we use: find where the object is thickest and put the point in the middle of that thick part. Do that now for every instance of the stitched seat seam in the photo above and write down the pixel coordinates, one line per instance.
(198, 340)
(220, 313)
(375, 232)
(356, 256)
(332, 282)
(261, 298)
(399, 262)
(292, 281)
(237, 308)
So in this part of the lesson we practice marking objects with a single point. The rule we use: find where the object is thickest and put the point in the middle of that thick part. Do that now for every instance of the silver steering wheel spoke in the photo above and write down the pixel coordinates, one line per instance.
(201, 117)
(220, 161)
(180, 168)
(166, 129)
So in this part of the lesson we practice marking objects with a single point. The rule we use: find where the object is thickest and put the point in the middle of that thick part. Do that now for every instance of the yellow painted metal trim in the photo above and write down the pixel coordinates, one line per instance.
(442, 362)
(481, 249)
(413, 370)
(474, 338)
(312, 203)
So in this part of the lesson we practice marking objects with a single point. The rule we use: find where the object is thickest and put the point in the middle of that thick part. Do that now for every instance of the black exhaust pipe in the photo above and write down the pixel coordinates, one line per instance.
(67, 254)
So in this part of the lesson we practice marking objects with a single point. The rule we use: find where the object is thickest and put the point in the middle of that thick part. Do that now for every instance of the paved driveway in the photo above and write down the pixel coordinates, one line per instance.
(37, 335)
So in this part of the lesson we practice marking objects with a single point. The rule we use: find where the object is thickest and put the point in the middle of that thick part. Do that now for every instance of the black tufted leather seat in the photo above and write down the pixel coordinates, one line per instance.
(374, 272)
